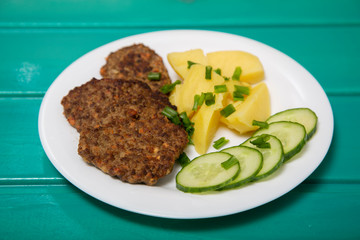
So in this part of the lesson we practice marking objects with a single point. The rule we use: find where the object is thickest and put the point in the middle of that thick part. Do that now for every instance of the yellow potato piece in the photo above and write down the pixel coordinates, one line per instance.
(179, 60)
(256, 106)
(194, 83)
(207, 121)
(227, 61)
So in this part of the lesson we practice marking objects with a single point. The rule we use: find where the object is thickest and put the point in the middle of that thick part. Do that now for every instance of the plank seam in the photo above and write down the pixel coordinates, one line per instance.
(116, 25)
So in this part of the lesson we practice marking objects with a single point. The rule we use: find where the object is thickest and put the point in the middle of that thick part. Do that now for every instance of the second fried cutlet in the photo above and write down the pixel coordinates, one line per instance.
(136, 62)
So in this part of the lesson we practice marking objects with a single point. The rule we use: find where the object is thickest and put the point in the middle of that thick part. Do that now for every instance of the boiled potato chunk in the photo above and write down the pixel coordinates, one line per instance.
(256, 106)
(179, 60)
(206, 121)
(227, 61)
(194, 83)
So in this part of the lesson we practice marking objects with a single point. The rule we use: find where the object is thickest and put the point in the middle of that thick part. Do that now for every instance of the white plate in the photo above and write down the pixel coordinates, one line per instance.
(290, 86)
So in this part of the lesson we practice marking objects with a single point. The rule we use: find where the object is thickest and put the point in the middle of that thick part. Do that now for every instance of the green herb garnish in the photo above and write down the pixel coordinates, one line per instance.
(220, 88)
(229, 163)
(183, 160)
(171, 114)
(154, 76)
(262, 141)
(228, 110)
(190, 63)
(208, 70)
(242, 89)
(220, 143)
(169, 87)
(209, 98)
(260, 124)
(238, 96)
(236, 74)
(218, 71)
(185, 119)
(198, 101)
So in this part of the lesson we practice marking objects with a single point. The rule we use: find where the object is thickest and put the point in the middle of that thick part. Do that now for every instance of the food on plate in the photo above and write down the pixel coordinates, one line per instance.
(97, 102)
(304, 116)
(227, 75)
(122, 130)
(251, 162)
(136, 62)
(252, 70)
(140, 151)
(206, 122)
(194, 84)
(208, 172)
(250, 65)
(292, 136)
(277, 142)
(256, 106)
(273, 156)
(179, 60)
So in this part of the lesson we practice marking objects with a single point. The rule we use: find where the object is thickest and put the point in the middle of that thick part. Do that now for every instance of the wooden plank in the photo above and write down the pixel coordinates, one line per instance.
(35, 57)
(63, 212)
(22, 158)
(184, 13)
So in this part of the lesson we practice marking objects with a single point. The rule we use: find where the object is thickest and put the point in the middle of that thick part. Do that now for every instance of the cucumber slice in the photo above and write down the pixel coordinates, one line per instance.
(304, 116)
(292, 136)
(251, 162)
(273, 157)
(205, 173)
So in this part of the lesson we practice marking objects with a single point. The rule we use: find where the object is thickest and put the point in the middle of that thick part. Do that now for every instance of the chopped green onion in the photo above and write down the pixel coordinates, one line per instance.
(238, 96)
(260, 124)
(236, 74)
(242, 89)
(190, 142)
(154, 76)
(196, 102)
(228, 110)
(208, 70)
(183, 160)
(190, 63)
(209, 98)
(261, 141)
(226, 78)
(229, 163)
(187, 123)
(171, 114)
(220, 143)
(201, 99)
(190, 130)
(218, 71)
(220, 88)
(185, 119)
(169, 87)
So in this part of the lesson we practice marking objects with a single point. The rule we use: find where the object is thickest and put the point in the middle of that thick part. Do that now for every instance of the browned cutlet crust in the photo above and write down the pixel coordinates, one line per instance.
(122, 130)
(134, 151)
(97, 102)
(135, 62)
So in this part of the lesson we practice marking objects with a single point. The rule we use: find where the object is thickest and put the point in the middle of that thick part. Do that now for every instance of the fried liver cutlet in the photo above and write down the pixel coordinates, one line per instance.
(97, 102)
(136, 62)
(134, 151)
(122, 130)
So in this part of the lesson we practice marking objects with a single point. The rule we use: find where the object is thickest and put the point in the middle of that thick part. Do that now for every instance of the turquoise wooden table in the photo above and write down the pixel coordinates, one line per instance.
(38, 39)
